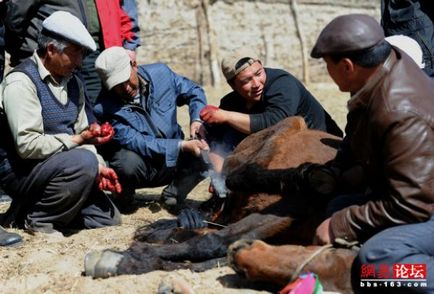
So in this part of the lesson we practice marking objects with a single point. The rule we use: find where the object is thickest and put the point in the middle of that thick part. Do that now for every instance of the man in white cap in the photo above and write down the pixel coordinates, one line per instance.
(261, 97)
(49, 165)
(149, 149)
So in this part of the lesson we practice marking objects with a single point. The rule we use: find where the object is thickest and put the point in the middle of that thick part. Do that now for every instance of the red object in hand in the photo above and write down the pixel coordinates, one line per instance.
(95, 130)
(108, 180)
(207, 112)
(106, 129)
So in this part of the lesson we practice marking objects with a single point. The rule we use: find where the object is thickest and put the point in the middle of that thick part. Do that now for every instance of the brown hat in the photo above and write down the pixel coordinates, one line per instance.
(230, 66)
(347, 33)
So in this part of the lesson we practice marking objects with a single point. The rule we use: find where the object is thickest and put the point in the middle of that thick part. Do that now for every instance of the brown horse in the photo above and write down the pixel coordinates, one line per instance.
(278, 265)
(285, 213)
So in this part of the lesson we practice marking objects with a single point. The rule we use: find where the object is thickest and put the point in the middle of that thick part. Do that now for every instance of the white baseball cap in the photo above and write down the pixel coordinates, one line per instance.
(113, 66)
(409, 45)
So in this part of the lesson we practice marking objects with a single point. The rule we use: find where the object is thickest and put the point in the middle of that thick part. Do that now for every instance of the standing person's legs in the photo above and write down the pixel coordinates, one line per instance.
(2, 50)
(91, 78)
(406, 244)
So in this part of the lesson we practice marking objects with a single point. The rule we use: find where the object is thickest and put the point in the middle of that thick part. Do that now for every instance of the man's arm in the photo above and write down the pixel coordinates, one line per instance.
(130, 24)
(18, 15)
(237, 120)
(282, 98)
(409, 169)
(27, 128)
(190, 93)
(144, 142)
(22, 106)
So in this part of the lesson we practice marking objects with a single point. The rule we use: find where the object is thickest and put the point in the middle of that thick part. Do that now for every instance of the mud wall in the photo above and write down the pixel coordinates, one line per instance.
(193, 35)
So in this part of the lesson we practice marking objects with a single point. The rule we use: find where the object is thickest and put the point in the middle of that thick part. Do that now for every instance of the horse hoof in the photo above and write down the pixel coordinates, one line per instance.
(233, 250)
(101, 264)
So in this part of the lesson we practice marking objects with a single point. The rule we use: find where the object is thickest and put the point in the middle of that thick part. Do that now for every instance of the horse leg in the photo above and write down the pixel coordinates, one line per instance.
(158, 232)
(142, 257)
(199, 248)
(277, 264)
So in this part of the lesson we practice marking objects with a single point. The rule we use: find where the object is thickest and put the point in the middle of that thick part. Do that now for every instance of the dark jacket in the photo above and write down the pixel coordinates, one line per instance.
(391, 135)
(24, 21)
(413, 18)
(151, 129)
(283, 96)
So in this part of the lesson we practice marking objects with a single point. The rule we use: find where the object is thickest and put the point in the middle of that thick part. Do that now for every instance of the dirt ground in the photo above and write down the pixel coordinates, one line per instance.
(54, 264)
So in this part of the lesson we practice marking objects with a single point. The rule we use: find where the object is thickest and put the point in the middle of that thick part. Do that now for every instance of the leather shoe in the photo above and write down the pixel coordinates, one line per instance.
(9, 239)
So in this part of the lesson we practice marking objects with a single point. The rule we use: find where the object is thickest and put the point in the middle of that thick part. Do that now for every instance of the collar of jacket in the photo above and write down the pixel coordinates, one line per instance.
(142, 94)
(362, 98)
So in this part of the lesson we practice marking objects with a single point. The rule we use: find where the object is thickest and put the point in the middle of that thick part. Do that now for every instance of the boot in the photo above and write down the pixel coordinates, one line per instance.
(174, 195)
(9, 239)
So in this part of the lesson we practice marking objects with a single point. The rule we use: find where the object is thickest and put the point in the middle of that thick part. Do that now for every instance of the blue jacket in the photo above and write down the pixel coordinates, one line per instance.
(166, 91)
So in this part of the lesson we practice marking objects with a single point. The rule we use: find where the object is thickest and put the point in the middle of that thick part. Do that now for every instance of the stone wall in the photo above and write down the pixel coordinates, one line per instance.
(193, 35)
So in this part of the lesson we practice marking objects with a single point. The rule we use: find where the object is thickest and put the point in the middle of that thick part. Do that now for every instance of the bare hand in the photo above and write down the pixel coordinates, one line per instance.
(194, 146)
(107, 180)
(195, 129)
(322, 234)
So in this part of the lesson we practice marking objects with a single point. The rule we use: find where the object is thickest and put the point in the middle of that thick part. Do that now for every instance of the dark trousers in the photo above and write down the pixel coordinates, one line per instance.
(410, 244)
(59, 192)
(91, 78)
(2, 51)
(137, 172)
(134, 172)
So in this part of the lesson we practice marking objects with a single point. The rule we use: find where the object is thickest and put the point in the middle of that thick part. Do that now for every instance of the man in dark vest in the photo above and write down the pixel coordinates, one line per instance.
(48, 161)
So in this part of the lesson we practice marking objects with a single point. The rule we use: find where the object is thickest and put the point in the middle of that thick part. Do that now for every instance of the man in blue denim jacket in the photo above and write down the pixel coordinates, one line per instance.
(141, 104)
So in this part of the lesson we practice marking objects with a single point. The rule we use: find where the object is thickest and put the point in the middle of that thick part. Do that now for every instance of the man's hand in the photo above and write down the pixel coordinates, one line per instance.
(191, 219)
(194, 146)
(195, 129)
(213, 115)
(107, 180)
(322, 234)
(96, 134)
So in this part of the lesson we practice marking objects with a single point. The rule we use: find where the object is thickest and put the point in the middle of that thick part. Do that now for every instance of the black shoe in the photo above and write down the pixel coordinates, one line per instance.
(174, 195)
(9, 239)
(172, 203)
(125, 201)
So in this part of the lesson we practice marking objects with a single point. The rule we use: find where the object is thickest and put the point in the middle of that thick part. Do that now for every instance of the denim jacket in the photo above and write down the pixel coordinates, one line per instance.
(151, 128)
